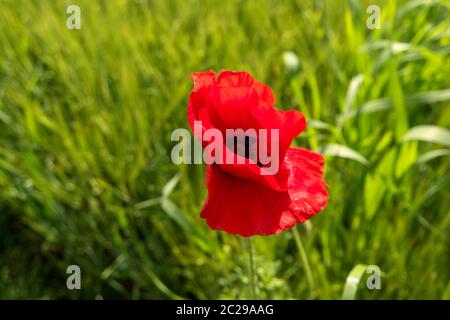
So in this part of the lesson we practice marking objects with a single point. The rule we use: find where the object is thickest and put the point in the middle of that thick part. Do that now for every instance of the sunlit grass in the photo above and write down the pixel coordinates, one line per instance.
(85, 123)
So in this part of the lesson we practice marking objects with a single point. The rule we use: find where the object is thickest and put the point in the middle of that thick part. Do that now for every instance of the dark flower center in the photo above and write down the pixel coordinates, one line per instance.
(246, 147)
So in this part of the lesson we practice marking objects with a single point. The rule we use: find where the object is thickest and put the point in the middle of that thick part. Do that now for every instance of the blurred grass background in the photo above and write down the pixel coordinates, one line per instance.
(85, 123)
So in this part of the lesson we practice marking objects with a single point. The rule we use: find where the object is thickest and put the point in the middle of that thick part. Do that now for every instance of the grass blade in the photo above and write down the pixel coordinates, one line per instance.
(352, 282)
(432, 134)
(341, 151)
(383, 104)
(430, 155)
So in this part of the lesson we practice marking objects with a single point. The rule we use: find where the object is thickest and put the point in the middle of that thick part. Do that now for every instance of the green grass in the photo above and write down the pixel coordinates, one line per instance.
(85, 171)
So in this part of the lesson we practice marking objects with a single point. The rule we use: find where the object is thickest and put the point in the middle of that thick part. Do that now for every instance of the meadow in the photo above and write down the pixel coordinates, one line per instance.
(85, 171)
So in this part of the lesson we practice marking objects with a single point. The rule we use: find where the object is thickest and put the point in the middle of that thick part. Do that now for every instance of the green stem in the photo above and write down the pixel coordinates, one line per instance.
(305, 261)
(251, 269)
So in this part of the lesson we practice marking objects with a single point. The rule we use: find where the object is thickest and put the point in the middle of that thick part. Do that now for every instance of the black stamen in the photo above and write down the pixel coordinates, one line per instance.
(247, 147)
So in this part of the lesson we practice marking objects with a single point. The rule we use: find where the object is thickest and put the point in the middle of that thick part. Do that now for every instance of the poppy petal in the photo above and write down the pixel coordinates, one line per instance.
(244, 207)
(203, 79)
(228, 100)
(289, 123)
(228, 78)
(307, 187)
(231, 102)
(258, 193)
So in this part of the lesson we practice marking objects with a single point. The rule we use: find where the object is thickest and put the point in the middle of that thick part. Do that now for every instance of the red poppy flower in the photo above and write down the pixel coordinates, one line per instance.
(240, 199)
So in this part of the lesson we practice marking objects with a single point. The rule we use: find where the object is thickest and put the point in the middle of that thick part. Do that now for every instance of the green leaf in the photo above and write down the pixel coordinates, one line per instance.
(352, 281)
(352, 92)
(446, 295)
(430, 155)
(147, 203)
(383, 104)
(432, 134)
(411, 5)
(172, 210)
(406, 157)
(170, 186)
(317, 124)
(398, 102)
(393, 46)
(338, 150)
(113, 267)
(160, 285)
(374, 190)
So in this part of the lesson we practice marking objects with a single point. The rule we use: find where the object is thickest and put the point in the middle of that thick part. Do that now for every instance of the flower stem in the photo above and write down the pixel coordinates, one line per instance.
(305, 261)
(251, 268)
